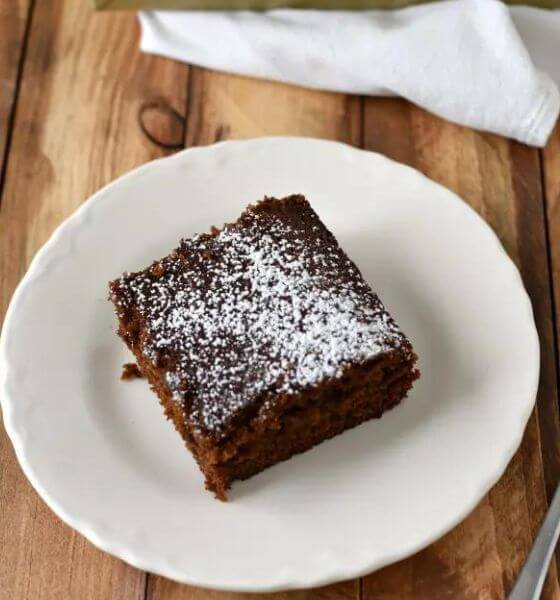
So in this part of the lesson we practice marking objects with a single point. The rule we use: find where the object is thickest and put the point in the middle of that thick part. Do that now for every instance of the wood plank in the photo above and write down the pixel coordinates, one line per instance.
(230, 107)
(502, 181)
(551, 181)
(76, 129)
(226, 106)
(550, 161)
(14, 17)
(163, 589)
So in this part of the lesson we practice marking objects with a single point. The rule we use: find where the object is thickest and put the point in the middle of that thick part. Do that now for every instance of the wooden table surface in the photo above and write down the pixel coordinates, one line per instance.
(79, 106)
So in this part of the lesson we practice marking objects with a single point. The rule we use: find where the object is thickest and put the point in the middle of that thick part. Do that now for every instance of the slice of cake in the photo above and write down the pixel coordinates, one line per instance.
(261, 340)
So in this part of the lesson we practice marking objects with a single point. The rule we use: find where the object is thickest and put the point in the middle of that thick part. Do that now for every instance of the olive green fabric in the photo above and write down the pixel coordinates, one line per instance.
(267, 4)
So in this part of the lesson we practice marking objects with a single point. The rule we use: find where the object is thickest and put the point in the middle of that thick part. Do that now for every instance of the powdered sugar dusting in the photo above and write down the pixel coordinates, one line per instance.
(268, 305)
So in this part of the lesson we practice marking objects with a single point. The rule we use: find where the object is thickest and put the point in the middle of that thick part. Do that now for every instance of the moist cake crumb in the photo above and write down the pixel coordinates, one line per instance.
(130, 371)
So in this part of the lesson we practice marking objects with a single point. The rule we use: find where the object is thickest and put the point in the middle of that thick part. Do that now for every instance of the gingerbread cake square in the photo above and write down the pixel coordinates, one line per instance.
(262, 339)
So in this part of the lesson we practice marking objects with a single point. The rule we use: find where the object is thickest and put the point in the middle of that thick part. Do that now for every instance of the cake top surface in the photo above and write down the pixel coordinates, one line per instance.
(267, 305)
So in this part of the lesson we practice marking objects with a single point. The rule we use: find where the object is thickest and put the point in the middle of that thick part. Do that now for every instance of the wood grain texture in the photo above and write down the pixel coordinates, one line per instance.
(550, 164)
(75, 130)
(162, 589)
(14, 18)
(502, 181)
(225, 106)
(551, 182)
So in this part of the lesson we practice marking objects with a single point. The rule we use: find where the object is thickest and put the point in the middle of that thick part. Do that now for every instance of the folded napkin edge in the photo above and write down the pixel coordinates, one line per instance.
(543, 120)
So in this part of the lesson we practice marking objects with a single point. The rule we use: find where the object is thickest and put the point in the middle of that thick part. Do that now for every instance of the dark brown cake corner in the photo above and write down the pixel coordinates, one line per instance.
(262, 339)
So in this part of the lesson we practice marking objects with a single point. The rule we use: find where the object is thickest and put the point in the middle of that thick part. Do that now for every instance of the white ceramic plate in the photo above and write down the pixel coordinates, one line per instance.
(104, 459)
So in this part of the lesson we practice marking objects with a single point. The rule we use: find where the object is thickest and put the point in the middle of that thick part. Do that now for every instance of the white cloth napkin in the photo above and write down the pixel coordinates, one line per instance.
(461, 59)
